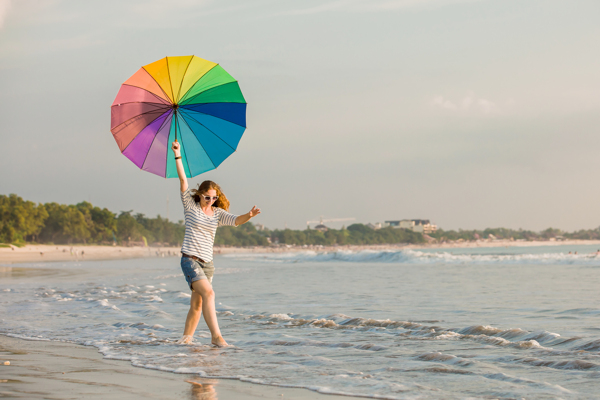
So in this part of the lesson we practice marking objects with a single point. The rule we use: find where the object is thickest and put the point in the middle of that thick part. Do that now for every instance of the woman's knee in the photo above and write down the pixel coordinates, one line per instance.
(207, 293)
(204, 289)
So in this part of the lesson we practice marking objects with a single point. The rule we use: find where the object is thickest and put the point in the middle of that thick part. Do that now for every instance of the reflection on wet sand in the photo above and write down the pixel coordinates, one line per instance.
(17, 272)
(32, 272)
(202, 391)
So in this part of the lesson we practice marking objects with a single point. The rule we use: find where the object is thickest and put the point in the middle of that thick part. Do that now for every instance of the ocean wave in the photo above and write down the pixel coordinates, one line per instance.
(522, 381)
(564, 365)
(444, 358)
(317, 343)
(514, 337)
(591, 346)
(409, 256)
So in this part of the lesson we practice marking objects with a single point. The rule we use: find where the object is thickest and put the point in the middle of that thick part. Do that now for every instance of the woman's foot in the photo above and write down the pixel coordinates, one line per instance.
(185, 339)
(218, 341)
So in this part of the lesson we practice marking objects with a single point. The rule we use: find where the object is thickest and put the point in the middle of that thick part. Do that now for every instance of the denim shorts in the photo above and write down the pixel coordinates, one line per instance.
(195, 270)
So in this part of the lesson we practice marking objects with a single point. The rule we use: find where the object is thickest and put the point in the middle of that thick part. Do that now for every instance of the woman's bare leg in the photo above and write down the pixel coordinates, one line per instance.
(205, 290)
(194, 314)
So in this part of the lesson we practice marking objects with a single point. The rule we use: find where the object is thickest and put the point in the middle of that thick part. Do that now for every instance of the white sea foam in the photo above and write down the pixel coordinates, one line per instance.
(409, 256)
(280, 316)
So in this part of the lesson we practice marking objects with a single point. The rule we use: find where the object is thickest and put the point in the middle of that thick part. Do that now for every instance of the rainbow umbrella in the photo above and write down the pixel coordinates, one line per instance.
(188, 99)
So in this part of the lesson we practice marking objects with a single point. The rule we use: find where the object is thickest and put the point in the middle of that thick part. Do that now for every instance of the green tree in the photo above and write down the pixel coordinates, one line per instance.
(128, 228)
(244, 235)
(65, 224)
(20, 219)
(101, 222)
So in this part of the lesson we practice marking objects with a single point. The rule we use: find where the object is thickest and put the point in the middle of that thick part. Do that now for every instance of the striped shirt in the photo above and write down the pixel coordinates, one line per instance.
(200, 229)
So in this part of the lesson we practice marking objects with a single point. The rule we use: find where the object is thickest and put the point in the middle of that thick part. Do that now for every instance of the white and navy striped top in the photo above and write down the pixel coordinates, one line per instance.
(200, 229)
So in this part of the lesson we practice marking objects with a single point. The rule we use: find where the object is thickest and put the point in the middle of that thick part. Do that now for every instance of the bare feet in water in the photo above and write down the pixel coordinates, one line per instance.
(219, 341)
(186, 339)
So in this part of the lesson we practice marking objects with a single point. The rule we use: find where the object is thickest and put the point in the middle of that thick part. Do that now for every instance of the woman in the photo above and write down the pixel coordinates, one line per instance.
(205, 209)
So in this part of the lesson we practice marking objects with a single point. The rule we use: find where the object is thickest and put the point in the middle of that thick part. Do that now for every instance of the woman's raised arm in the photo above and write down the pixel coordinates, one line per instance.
(183, 183)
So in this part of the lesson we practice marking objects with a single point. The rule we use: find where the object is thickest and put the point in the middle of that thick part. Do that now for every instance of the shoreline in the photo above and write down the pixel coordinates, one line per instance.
(58, 370)
(53, 253)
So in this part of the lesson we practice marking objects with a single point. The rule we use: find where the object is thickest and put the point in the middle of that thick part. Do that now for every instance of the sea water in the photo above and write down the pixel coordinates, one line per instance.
(519, 322)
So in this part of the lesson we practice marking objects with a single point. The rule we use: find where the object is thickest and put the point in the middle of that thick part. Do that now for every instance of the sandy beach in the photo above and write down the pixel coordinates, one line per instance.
(55, 370)
(47, 253)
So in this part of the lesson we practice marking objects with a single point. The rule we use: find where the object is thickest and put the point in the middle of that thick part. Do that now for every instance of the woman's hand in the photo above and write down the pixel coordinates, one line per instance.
(242, 219)
(254, 212)
(176, 149)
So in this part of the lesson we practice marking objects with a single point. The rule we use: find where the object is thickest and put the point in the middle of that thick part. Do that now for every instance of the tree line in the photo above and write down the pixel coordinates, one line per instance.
(25, 221)
(516, 234)
(356, 234)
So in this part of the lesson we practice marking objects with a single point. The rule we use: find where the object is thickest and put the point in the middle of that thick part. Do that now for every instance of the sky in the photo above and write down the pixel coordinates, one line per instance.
(469, 113)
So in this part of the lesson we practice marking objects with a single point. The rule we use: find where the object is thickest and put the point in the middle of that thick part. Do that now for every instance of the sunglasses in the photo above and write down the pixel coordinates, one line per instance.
(208, 198)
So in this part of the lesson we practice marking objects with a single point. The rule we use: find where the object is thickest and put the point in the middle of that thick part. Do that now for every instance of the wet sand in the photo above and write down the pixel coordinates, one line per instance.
(56, 370)
(48, 253)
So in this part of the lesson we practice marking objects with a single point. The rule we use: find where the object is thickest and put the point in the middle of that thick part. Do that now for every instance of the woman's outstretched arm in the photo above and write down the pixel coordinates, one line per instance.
(180, 171)
(242, 219)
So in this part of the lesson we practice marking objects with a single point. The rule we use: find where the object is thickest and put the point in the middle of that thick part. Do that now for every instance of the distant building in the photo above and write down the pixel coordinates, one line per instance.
(321, 228)
(374, 226)
(259, 227)
(415, 225)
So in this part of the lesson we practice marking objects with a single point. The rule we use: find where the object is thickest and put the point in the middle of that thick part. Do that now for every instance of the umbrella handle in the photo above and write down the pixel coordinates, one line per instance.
(175, 124)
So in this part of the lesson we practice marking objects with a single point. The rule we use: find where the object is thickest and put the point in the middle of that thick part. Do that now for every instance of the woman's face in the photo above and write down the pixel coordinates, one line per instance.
(212, 193)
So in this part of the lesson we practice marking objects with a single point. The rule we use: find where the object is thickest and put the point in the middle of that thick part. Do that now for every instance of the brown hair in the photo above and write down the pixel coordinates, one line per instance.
(204, 187)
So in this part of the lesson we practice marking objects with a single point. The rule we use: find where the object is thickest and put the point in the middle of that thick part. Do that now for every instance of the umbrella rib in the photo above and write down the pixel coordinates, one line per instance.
(212, 162)
(146, 90)
(214, 134)
(143, 102)
(147, 112)
(157, 81)
(210, 88)
(170, 83)
(183, 148)
(183, 77)
(157, 132)
(214, 116)
(162, 108)
(197, 82)
(134, 118)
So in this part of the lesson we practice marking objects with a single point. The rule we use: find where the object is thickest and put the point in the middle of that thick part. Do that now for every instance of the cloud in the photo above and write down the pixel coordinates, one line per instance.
(4, 7)
(439, 101)
(468, 105)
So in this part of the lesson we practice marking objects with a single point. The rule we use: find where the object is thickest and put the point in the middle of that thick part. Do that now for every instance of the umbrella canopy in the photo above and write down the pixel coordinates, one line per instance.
(188, 99)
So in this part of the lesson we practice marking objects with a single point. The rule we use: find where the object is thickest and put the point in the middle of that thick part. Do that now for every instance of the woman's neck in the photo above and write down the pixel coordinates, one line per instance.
(207, 209)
